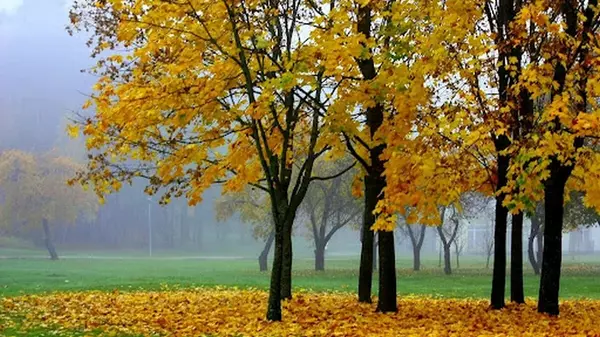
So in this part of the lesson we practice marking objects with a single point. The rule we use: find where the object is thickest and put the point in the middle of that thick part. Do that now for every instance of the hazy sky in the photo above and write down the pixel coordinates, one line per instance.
(9, 7)
(40, 79)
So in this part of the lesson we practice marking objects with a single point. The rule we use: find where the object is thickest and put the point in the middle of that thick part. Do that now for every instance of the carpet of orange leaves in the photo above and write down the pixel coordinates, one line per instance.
(224, 312)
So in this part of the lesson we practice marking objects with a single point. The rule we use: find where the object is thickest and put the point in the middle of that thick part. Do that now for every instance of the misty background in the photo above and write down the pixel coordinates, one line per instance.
(42, 86)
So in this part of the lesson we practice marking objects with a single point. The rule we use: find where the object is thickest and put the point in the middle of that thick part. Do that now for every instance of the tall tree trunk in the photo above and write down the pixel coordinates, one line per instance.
(320, 256)
(274, 308)
(534, 232)
(48, 240)
(387, 272)
(262, 258)
(286, 267)
(516, 260)
(499, 273)
(365, 278)
(374, 184)
(554, 191)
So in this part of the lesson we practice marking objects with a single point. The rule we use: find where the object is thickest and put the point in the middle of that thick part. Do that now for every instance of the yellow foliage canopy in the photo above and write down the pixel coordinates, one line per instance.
(34, 187)
(238, 313)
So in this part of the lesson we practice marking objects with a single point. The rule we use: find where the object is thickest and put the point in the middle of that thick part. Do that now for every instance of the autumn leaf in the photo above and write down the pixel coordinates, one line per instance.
(229, 312)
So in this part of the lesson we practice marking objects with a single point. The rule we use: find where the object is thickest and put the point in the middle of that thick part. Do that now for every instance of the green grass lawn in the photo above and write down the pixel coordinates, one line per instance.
(38, 275)
(23, 276)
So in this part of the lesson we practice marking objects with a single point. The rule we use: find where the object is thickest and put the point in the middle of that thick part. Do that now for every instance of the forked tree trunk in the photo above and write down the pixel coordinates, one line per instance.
(417, 243)
(262, 258)
(516, 260)
(48, 241)
(447, 243)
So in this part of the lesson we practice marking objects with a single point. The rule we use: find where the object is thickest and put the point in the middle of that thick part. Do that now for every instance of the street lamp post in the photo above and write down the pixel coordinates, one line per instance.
(150, 226)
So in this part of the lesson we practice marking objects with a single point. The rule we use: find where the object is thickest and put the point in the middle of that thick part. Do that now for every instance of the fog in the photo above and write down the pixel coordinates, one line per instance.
(42, 86)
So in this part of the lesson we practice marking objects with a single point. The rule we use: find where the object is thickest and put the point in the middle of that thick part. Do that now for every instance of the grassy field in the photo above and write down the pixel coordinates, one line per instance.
(23, 276)
(39, 275)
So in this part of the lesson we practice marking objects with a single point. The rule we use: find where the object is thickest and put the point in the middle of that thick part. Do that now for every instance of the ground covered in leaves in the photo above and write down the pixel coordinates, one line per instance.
(231, 312)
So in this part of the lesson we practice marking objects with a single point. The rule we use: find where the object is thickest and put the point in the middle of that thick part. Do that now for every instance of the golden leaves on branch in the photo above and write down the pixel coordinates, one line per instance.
(223, 312)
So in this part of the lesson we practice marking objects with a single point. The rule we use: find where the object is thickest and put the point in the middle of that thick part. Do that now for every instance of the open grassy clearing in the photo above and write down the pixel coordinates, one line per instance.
(106, 273)
(25, 276)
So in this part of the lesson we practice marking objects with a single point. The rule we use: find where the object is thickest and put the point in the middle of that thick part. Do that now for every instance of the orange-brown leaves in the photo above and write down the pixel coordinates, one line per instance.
(239, 313)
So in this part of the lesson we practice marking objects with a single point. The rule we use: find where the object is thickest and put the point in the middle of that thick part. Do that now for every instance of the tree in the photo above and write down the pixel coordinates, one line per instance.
(379, 102)
(447, 232)
(536, 234)
(228, 91)
(576, 214)
(253, 207)
(328, 207)
(488, 244)
(416, 234)
(36, 194)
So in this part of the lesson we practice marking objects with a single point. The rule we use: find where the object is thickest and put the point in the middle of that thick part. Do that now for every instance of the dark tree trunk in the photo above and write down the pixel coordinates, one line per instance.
(447, 243)
(286, 267)
(387, 272)
(417, 243)
(320, 257)
(48, 241)
(374, 184)
(447, 260)
(554, 191)
(516, 260)
(416, 258)
(499, 273)
(262, 258)
(365, 278)
(534, 233)
(274, 309)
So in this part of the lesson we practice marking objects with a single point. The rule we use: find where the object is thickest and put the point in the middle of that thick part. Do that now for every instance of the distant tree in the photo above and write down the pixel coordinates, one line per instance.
(447, 232)
(488, 244)
(576, 215)
(416, 234)
(35, 193)
(459, 246)
(328, 206)
(253, 207)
